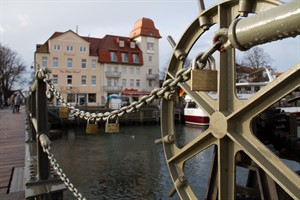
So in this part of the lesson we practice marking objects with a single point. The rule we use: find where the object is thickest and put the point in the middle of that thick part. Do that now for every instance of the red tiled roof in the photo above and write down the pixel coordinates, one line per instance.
(112, 43)
(94, 43)
(144, 27)
(44, 48)
(102, 47)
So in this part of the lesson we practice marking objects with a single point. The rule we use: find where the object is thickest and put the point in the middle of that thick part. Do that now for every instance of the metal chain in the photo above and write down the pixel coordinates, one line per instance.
(62, 175)
(169, 85)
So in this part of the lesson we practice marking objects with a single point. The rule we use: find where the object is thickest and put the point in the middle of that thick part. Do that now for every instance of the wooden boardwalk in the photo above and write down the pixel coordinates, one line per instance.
(12, 150)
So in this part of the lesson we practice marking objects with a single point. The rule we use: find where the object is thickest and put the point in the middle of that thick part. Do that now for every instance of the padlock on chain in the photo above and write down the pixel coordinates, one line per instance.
(63, 112)
(204, 79)
(112, 127)
(91, 128)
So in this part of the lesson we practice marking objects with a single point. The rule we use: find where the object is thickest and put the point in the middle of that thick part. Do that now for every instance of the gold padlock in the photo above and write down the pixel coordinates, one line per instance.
(112, 127)
(204, 79)
(63, 112)
(91, 128)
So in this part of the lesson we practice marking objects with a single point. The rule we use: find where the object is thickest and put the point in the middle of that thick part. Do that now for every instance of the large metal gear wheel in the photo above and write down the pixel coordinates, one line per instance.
(229, 132)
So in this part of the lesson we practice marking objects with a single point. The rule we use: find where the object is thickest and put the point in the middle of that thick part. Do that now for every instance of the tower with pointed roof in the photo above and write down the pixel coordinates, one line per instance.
(88, 70)
(147, 38)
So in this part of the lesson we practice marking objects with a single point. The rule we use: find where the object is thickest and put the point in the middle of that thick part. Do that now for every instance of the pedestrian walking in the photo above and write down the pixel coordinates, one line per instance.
(18, 102)
(12, 102)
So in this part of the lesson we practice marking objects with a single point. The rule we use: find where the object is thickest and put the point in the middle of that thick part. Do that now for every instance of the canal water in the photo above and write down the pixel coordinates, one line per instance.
(125, 165)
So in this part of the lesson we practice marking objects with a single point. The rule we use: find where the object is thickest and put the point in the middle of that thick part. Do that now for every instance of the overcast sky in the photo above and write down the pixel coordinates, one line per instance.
(25, 23)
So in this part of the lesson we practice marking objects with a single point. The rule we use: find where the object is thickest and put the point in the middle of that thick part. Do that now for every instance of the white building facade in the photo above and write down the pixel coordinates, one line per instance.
(88, 70)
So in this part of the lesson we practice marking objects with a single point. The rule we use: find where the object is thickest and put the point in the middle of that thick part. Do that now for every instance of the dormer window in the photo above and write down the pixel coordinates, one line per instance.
(124, 57)
(135, 58)
(150, 33)
(132, 45)
(113, 56)
(121, 43)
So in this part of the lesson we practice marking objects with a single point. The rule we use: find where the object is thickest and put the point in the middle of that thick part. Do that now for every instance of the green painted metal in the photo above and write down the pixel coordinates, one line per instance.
(229, 130)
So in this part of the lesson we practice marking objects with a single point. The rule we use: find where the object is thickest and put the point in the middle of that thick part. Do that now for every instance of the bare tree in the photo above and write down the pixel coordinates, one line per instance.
(12, 70)
(162, 71)
(256, 58)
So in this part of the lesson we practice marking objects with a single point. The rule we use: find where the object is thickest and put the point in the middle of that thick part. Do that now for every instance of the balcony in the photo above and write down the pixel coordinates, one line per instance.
(111, 89)
(152, 76)
(113, 74)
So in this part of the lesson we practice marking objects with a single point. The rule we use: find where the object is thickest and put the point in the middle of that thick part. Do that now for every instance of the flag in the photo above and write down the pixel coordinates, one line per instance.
(181, 92)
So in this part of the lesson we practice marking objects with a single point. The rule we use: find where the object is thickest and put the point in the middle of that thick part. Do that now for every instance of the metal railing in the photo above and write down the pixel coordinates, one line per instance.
(41, 181)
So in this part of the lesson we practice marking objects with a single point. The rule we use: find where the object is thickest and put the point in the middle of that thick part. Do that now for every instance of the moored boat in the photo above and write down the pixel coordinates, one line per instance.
(193, 114)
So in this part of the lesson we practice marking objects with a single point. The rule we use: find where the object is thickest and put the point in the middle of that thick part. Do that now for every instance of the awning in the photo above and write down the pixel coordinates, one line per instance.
(134, 92)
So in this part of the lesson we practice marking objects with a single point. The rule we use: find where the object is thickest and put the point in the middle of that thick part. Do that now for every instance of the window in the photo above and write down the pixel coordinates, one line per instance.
(55, 62)
(92, 98)
(55, 79)
(121, 43)
(83, 63)
(138, 71)
(132, 45)
(124, 82)
(93, 80)
(123, 70)
(124, 57)
(71, 97)
(150, 46)
(83, 80)
(131, 70)
(82, 49)
(109, 68)
(94, 64)
(109, 82)
(44, 61)
(137, 82)
(69, 48)
(69, 79)
(150, 58)
(150, 83)
(135, 58)
(113, 56)
(56, 47)
(149, 71)
(70, 62)
(115, 82)
(131, 83)
(116, 69)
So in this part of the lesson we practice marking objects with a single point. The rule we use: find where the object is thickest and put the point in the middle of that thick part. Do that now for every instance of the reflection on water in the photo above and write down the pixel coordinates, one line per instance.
(126, 165)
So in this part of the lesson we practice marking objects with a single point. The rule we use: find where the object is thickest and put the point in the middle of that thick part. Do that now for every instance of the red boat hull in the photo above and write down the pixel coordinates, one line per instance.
(196, 120)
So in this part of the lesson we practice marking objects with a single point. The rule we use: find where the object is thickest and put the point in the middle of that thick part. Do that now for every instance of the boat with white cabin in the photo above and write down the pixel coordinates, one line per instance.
(196, 115)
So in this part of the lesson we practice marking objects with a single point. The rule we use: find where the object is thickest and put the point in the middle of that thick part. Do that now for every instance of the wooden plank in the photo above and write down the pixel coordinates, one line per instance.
(17, 183)
(12, 149)
(13, 196)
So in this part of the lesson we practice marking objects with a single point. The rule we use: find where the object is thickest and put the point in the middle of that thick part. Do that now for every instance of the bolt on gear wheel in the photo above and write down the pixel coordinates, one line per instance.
(229, 132)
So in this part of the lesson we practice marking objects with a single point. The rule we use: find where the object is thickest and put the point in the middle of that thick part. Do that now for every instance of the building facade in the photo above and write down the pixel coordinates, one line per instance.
(88, 70)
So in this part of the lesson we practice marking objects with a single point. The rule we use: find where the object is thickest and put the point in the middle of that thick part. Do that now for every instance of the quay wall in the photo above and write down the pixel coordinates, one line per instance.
(147, 114)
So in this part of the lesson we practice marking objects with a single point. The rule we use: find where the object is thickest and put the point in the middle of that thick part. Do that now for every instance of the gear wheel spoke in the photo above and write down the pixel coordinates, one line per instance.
(230, 130)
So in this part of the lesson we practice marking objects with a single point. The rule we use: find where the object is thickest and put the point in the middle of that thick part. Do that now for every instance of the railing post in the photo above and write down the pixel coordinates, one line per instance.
(33, 113)
(42, 127)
